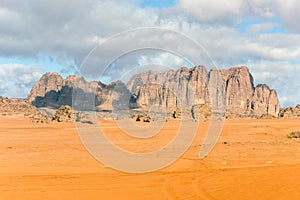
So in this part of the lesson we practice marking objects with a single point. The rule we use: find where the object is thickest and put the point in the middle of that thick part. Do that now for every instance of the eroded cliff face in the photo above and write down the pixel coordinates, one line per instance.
(243, 98)
(154, 94)
(48, 86)
(180, 88)
(54, 91)
(229, 90)
(265, 100)
(239, 88)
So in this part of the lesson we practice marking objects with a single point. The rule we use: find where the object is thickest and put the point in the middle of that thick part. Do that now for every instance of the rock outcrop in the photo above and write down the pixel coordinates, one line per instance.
(290, 112)
(187, 87)
(198, 112)
(264, 101)
(177, 113)
(267, 116)
(201, 112)
(154, 94)
(47, 87)
(243, 98)
(21, 108)
(229, 90)
(64, 114)
(172, 89)
(54, 91)
(141, 118)
(239, 89)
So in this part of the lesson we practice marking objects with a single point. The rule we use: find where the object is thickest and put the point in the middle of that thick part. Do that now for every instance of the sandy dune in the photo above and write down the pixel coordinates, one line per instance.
(252, 160)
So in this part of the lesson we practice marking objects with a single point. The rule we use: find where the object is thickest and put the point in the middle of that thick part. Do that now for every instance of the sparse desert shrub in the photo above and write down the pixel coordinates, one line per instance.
(295, 134)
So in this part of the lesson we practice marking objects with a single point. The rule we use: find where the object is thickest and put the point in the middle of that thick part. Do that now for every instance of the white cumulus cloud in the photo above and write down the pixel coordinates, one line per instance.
(16, 80)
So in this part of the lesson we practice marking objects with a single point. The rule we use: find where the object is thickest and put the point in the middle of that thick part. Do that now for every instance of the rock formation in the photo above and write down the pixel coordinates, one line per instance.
(239, 89)
(177, 113)
(47, 87)
(64, 114)
(264, 100)
(201, 112)
(243, 98)
(290, 112)
(21, 108)
(229, 90)
(48, 82)
(154, 94)
(267, 116)
(172, 89)
(187, 87)
(54, 91)
(141, 118)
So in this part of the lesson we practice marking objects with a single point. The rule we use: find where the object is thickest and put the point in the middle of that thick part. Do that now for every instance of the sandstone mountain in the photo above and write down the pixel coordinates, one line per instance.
(54, 91)
(187, 87)
(182, 88)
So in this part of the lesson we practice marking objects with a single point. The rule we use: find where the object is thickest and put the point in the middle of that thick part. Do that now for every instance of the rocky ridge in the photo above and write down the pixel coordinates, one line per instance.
(54, 91)
(290, 112)
(187, 87)
(183, 88)
(21, 108)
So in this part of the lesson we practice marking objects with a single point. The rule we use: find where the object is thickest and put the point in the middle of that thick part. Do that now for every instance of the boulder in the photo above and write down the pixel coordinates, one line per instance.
(64, 114)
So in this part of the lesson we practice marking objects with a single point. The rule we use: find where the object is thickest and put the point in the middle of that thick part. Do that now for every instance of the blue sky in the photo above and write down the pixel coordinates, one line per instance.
(157, 3)
(37, 37)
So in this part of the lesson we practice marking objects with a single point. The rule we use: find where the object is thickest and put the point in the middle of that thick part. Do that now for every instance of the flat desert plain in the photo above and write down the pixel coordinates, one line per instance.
(253, 159)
